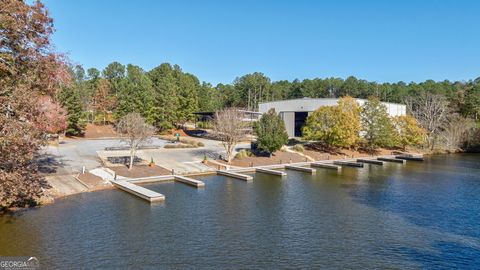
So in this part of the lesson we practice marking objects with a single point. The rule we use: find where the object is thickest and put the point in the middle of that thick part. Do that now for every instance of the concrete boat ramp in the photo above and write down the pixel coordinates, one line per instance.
(129, 185)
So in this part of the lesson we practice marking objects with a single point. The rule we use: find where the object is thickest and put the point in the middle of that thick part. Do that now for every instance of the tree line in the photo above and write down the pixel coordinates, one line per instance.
(167, 96)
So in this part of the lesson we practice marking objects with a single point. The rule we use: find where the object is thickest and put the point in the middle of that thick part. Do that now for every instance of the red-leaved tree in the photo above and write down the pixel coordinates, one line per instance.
(52, 117)
(29, 70)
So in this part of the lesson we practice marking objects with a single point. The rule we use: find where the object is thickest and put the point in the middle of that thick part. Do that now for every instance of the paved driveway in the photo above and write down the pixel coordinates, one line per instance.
(71, 155)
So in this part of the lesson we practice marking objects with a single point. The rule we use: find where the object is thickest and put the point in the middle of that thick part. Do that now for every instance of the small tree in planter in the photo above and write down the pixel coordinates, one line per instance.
(135, 132)
(152, 163)
(271, 132)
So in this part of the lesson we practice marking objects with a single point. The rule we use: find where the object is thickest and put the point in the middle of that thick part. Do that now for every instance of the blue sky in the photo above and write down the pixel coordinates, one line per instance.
(220, 40)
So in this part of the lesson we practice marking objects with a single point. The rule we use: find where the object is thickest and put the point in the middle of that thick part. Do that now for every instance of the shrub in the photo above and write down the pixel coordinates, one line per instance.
(298, 148)
(205, 125)
(192, 143)
(179, 145)
(243, 154)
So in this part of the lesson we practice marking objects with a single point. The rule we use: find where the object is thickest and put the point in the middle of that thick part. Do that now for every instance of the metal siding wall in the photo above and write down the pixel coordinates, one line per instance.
(289, 120)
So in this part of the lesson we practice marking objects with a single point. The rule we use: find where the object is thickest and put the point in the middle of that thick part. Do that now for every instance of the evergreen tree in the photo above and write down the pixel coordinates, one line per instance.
(377, 127)
(187, 95)
(165, 102)
(254, 88)
(70, 100)
(114, 73)
(271, 132)
(136, 94)
(209, 98)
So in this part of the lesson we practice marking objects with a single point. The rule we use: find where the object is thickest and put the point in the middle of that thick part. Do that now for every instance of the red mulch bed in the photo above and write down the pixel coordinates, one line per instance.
(286, 157)
(140, 171)
(172, 132)
(92, 180)
(278, 158)
(97, 131)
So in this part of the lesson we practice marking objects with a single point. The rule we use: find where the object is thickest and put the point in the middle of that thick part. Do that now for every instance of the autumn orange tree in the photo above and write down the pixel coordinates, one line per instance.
(104, 101)
(409, 131)
(29, 70)
(337, 126)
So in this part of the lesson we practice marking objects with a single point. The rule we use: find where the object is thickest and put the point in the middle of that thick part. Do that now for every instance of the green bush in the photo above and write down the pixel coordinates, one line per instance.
(206, 125)
(271, 132)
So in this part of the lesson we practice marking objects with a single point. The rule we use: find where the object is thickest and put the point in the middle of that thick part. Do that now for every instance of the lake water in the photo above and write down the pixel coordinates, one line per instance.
(419, 215)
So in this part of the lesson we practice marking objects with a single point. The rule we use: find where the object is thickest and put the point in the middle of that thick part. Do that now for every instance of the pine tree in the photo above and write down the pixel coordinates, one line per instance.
(71, 101)
(165, 103)
(187, 85)
(136, 94)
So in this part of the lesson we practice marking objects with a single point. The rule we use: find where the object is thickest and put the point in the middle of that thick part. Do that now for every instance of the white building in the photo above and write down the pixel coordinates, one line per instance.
(294, 112)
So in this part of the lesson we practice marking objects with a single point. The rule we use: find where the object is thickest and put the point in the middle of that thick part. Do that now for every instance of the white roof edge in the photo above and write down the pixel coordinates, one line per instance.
(286, 100)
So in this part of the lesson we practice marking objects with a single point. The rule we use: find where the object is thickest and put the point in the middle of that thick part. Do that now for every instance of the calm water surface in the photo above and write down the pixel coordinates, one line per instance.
(418, 215)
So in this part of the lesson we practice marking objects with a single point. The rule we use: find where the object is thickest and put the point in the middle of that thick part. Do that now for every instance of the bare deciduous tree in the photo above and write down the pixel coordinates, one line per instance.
(455, 131)
(135, 132)
(431, 112)
(230, 128)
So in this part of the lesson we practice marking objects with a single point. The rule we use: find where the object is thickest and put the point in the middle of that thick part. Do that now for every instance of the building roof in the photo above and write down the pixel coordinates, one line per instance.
(319, 100)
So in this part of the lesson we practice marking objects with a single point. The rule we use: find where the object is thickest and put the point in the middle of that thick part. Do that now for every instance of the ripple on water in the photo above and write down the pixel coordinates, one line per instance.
(419, 215)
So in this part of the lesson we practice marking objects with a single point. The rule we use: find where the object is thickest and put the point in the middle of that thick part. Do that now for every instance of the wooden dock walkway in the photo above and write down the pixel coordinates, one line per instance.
(326, 166)
(349, 163)
(392, 160)
(268, 171)
(139, 191)
(189, 181)
(243, 177)
(300, 168)
(410, 157)
(370, 161)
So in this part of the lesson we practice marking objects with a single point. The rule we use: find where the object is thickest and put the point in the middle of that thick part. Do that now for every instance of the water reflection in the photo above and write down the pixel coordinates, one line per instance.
(418, 215)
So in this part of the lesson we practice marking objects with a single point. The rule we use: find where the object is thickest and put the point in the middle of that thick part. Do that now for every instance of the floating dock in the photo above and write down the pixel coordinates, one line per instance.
(268, 171)
(189, 181)
(392, 160)
(326, 166)
(370, 161)
(151, 179)
(410, 157)
(139, 191)
(349, 163)
(300, 168)
(243, 177)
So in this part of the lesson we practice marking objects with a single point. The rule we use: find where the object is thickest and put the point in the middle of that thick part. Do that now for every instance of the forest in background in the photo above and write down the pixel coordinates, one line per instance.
(167, 96)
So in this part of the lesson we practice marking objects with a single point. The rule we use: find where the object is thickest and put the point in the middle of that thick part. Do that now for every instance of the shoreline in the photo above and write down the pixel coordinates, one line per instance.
(214, 172)
(50, 197)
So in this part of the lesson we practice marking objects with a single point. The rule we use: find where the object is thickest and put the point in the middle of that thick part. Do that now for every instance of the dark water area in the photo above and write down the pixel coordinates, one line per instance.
(422, 215)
